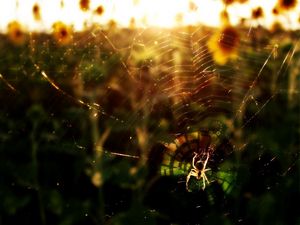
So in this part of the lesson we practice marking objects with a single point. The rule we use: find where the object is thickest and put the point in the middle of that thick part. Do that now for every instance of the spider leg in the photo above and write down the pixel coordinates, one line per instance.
(187, 181)
(193, 162)
(203, 180)
(205, 177)
(204, 166)
(206, 170)
(193, 173)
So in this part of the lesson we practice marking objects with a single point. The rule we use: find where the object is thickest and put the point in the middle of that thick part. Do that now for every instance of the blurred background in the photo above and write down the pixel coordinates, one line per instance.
(104, 104)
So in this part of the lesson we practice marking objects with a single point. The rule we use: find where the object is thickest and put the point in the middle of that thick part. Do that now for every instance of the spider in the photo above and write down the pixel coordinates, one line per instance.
(198, 173)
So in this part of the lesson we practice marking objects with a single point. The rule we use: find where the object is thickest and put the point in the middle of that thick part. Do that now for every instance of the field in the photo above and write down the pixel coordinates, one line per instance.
(102, 127)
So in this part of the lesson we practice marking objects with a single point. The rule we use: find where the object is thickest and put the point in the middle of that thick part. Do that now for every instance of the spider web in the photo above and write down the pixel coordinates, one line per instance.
(174, 67)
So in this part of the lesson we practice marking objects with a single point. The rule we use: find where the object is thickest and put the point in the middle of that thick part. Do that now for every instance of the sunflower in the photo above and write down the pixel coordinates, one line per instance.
(97, 179)
(257, 13)
(136, 2)
(285, 5)
(228, 2)
(84, 5)
(112, 25)
(224, 44)
(193, 7)
(36, 12)
(99, 10)
(242, 21)
(16, 33)
(224, 17)
(276, 27)
(132, 23)
(62, 33)
(275, 11)
(179, 18)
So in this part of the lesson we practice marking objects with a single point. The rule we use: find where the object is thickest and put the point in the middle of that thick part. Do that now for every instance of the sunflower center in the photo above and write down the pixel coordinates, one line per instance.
(288, 2)
(99, 10)
(84, 4)
(63, 33)
(229, 39)
(228, 2)
(18, 33)
(257, 13)
(35, 9)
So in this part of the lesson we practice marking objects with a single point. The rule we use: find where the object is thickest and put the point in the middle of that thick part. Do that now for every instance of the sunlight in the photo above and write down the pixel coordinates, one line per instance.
(143, 13)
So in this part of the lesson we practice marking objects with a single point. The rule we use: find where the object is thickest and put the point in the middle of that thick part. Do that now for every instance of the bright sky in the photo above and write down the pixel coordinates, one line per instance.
(162, 13)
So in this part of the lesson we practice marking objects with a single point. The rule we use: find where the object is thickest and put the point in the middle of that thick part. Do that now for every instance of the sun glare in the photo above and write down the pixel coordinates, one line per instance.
(40, 15)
